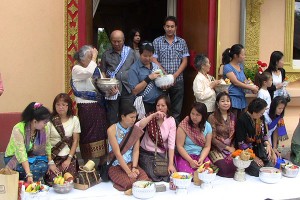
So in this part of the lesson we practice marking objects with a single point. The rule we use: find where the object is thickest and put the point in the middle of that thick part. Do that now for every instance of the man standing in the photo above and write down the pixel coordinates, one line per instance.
(115, 63)
(171, 54)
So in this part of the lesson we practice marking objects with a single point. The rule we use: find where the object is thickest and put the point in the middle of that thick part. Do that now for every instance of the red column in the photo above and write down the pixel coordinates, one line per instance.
(179, 17)
(212, 34)
(81, 23)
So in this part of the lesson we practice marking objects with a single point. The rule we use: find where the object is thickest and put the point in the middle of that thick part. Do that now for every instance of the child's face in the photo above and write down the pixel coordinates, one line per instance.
(280, 108)
(269, 82)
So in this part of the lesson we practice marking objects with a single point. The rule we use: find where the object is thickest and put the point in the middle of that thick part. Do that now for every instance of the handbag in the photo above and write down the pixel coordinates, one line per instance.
(86, 179)
(103, 169)
(9, 180)
(160, 167)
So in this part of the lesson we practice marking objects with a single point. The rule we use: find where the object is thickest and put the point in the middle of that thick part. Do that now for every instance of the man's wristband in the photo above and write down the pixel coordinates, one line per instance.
(147, 80)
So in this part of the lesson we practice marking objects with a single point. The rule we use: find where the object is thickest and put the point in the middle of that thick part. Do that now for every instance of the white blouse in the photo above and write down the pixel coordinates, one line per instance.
(203, 93)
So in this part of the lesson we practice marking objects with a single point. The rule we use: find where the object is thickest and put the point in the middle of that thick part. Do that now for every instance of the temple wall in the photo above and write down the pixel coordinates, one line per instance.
(32, 52)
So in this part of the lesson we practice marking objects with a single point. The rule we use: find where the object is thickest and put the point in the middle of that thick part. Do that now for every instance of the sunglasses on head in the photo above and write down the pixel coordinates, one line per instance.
(147, 43)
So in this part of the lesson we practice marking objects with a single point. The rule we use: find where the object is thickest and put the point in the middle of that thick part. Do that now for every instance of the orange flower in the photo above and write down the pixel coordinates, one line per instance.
(252, 155)
(250, 150)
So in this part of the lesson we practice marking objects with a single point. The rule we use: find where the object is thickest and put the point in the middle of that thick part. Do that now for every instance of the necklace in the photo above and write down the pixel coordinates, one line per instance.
(32, 136)
(122, 131)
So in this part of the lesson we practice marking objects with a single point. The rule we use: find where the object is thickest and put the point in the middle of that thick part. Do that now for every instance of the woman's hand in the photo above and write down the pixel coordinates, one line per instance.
(65, 165)
(213, 84)
(30, 179)
(269, 150)
(95, 54)
(278, 154)
(113, 91)
(132, 174)
(154, 75)
(171, 169)
(254, 89)
(194, 164)
(230, 149)
(279, 86)
(258, 161)
(160, 114)
(136, 171)
(273, 157)
(53, 168)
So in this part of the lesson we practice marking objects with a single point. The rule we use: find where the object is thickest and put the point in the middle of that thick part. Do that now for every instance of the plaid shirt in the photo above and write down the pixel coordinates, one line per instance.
(170, 56)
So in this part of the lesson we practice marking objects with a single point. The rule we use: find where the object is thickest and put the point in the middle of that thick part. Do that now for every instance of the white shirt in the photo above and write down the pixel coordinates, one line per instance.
(276, 81)
(82, 80)
(203, 93)
(71, 126)
(265, 95)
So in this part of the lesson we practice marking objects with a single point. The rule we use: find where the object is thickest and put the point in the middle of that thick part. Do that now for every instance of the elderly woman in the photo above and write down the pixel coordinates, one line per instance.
(193, 140)
(251, 132)
(234, 70)
(223, 124)
(204, 84)
(29, 148)
(64, 129)
(91, 110)
(160, 127)
(141, 77)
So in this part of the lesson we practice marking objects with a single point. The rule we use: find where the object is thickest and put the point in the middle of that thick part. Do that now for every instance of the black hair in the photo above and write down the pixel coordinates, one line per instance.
(35, 111)
(146, 45)
(257, 105)
(275, 102)
(170, 18)
(202, 109)
(229, 53)
(65, 98)
(168, 103)
(126, 109)
(200, 60)
(217, 113)
(260, 78)
(131, 36)
(274, 59)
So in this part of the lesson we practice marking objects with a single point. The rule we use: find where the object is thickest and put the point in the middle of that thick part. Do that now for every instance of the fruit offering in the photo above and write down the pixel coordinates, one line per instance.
(290, 166)
(208, 168)
(243, 154)
(34, 187)
(179, 176)
(61, 180)
(226, 81)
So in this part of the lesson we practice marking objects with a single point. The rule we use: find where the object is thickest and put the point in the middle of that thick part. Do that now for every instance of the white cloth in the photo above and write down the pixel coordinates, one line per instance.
(71, 126)
(82, 80)
(277, 79)
(265, 95)
(140, 108)
(203, 93)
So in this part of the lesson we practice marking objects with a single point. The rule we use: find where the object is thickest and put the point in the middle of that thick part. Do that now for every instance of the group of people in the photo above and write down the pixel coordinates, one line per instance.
(44, 143)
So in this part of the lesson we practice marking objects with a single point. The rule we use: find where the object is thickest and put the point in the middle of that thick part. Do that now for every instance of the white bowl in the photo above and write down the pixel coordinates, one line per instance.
(207, 178)
(42, 195)
(164, 80)
(141, 192)
(289, 172)
(222, 87)
(182, 183)
(105, 84)
(269, 174)
(242, 164)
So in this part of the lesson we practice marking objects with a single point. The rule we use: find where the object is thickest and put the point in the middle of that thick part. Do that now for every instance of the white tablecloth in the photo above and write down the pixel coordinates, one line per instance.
(223, 188)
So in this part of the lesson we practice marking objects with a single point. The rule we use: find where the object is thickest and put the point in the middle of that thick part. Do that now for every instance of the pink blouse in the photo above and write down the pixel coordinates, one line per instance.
(168, 132)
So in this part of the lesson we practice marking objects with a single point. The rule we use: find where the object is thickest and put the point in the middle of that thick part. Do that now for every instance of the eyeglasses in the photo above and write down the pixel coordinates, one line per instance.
(147, 43)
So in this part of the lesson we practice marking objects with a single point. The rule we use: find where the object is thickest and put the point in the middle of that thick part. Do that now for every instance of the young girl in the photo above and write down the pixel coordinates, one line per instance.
(263, 81)
(274, 119)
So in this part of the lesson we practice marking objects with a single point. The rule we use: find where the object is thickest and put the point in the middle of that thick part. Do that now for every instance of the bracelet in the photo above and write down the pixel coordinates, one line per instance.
(29, 175)
(70, 156)
(51, 162)
(147, 80)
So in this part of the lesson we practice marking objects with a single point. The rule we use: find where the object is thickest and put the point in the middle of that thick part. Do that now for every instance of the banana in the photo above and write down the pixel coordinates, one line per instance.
(62, 181)
(29, 188)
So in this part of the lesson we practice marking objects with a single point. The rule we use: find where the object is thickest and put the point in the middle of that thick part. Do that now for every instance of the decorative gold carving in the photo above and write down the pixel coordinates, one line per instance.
(292, 76)
(252, 31)
(71, 40)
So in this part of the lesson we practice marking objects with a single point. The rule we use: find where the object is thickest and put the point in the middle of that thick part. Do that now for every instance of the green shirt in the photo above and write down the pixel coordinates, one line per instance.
(16, 145)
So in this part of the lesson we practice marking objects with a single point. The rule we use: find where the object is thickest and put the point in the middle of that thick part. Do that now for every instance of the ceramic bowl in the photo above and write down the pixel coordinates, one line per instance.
(269, 174)
(242, 164)
(105, 84)
(289, 171)
(207, 178)
(63, 189)
(183, 183)
(143, 189)
(164, 80)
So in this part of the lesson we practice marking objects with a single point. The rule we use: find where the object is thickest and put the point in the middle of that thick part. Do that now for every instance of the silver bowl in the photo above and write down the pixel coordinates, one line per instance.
(269, 174)
(63, 189)
(105, 84)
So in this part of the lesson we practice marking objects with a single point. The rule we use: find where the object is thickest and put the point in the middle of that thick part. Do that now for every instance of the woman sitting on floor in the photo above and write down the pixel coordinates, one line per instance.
(223, 131)
(29, 146)
(251, 132)
(124, 170)
(193, 139)
(160, 125)
(64, 131)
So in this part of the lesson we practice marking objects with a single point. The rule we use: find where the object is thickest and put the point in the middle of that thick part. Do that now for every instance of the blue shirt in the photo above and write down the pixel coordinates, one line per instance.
(237, 94)
(191, 147)
(170, 55)
(136, 74)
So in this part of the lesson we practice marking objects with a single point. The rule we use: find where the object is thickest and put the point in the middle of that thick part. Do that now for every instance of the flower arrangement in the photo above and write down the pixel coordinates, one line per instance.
(243, 154)
(250, 72)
